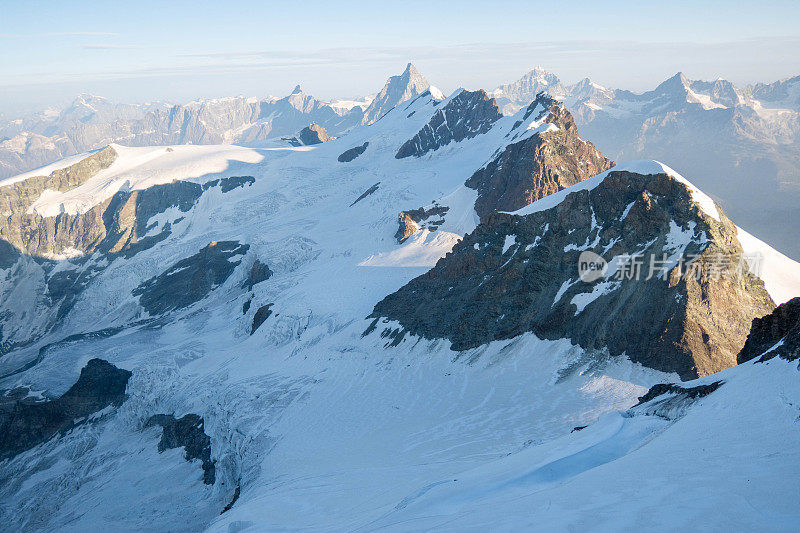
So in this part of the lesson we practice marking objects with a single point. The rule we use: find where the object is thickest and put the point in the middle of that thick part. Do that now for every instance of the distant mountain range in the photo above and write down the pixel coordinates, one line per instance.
(92, 122)
(741, 144)
(448, 319)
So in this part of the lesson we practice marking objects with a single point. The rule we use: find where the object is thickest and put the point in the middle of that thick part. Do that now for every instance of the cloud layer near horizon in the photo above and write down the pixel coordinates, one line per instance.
(350, 71)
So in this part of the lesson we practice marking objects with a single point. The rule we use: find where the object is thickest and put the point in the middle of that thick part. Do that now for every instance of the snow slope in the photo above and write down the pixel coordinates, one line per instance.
(323, 428)
(779, 273)
(140, 168)
(730, 463)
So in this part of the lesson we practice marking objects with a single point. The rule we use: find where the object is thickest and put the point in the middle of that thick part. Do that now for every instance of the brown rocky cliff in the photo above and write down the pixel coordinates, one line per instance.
(35, 235)
(479, 292)
(314, 134)
(776, 334)
(537, 166)
(410, 221)
(114, 225)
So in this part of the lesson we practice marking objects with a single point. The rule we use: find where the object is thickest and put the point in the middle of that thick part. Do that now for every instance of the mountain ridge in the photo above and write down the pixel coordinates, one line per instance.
(234, 284)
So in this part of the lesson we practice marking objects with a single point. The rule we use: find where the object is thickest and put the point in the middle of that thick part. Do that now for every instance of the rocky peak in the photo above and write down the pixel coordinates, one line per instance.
(776, 334)
(301, 101)
(513, 96)
(677, 83)
(530, 84)
(586, 89)
(413, 220)
(720, 91)
(466, 115)
(519, 273)
(314, 134)
(297, 89)
(398, 89)
(537, 165)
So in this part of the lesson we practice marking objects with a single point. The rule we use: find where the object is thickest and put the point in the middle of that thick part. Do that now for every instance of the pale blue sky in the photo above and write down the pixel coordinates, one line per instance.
(180, 50)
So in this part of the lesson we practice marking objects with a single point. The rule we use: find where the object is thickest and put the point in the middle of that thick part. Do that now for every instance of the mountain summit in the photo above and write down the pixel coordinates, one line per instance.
(397, 90)
(185, 342)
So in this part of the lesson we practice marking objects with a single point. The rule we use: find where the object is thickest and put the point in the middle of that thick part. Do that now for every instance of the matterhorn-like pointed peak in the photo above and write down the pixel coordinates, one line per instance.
(411, 69)
(677, 82)
(297, 89)
(397, 90)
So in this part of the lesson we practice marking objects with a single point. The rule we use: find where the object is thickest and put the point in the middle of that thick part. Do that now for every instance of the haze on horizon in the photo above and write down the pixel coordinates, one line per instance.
(187, 50)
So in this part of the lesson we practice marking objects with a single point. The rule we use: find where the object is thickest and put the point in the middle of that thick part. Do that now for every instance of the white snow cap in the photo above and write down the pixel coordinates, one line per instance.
(142, 167)
(436, 93)
(640, 166)
(780, 274)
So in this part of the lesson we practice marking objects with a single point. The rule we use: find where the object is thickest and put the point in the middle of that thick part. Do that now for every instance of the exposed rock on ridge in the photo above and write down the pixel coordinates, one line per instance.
(352, 153)
(466, 115)
(190, 279)
(314, 134)
(260, 316)
(520, 273)
(776, 334)
(397, 90)
(25, 425)
(411, 221)
(538, 165)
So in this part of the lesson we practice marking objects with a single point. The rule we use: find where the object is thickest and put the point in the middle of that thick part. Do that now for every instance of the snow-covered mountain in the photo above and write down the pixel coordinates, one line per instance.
(390, 330)
(741, 145)
(92, 122)
(514, 96)
(398, 89)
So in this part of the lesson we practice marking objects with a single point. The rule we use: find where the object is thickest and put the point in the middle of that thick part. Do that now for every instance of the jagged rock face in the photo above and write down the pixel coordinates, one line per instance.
(777, 333)
(397, 90)
(123, 219)
(517, 274)
(115, 226)
(23, 425)
(783, 91)
(670, 401)
(468, 114)
(230, 183)
(413, 220)
(314, 134)
(537, 166)
(31, 233)
(670, 388)
(190, 279)
(187, 432)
